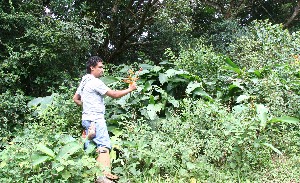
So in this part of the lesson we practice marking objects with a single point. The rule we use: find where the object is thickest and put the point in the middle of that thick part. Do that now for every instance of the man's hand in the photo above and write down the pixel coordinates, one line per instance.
(132, 86)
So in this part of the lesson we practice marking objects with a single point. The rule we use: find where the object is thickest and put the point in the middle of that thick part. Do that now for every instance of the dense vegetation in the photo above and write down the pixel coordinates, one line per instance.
(217, 100)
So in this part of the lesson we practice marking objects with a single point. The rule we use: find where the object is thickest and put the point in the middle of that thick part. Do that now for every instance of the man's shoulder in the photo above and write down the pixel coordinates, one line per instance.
(87, 76)
(96, 82)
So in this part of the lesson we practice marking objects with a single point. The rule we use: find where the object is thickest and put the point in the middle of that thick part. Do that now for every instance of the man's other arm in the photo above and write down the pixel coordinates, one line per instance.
(77, 99)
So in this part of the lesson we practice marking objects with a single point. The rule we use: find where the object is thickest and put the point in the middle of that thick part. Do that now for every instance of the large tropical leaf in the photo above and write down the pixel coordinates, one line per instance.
(285, 119)
(230, 63)
(46, 150)
(162, 78)
(40, 160)
(68, 150)
(109, 79)
(262, 114)
(192, 86)
(273, 148)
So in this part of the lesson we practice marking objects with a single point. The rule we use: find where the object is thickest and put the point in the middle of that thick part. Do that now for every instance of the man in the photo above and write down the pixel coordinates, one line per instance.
(90, 94)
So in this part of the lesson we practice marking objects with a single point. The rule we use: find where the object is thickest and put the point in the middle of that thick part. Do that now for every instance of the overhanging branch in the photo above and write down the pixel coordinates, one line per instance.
(294, 15)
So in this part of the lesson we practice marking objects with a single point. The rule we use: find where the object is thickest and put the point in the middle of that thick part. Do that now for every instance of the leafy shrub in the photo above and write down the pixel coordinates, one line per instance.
(200, 140)
(198, 59)
(39, 155)
(222, 34)
(13, 114)
(59, 108)
(265, 45)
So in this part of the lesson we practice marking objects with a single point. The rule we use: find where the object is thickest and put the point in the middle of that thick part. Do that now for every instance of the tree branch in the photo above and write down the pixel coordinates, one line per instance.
(294, 15)
(127, 31)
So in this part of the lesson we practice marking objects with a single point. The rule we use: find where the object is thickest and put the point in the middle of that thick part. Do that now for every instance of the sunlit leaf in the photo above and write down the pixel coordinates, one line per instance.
(46, 150)
(39, 159)
(68, 150)
(242, 98)
(192, 86)
(262, 114)
(162, 78)
(109, 79)
(285, 119)
(67, 139)
(273, 148)
(230, 63)
(66, 174)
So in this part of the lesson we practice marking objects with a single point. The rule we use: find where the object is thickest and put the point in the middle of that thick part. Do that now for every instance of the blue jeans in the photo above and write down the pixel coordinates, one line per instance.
(102, 138)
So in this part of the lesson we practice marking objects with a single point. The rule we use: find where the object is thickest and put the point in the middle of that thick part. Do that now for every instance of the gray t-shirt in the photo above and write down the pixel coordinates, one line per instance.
(92, 91)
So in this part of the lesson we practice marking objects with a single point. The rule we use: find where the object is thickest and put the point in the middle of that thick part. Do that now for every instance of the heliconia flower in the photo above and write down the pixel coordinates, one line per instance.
(132, 77)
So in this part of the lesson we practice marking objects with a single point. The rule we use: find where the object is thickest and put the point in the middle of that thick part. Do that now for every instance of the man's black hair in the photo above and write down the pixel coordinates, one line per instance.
(92, 62)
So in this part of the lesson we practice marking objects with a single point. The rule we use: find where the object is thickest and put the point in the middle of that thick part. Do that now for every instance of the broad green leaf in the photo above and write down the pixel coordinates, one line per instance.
(239, 108)
(229, 62)
(60, 168)
(162, 78)
(262, 111)
(273, 148)
(123, 100)
(192, 86)
(156, 68)
(113, 155)
(190, 165)
(66, 174)
(173, 72)
(183, 172)
(125, 69)
(286, 119)
(116, 131)
(242, 98)
(235, 84)
(237, 70)
(170, 72)
(39, 159)
(173, 101)
(109, 79)
(67, 139)
(148, 86)
(47, 101)
(256, 72)
(144, 71)
(46, 150)
(35, 102)
(44, 102)
(146, 66)
(152, 109)
(3, 164)
(68, 150)
(151, 99)
(166, 63)
(199, 91)
(90, 148)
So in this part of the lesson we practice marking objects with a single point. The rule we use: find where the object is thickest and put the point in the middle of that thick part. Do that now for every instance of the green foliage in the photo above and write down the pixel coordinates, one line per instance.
(222, 34)
(266, 45)
(41, 155)
(157, 88)
(13, 114)
(200, 140)
(58, 108)
(34, 43)
(196, 116)
(198, 59)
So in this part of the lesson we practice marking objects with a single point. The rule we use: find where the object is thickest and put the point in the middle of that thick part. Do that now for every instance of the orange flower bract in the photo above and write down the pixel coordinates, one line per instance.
(132, 77)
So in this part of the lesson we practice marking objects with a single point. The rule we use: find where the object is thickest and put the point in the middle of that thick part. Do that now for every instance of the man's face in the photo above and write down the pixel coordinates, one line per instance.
(98, 70)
